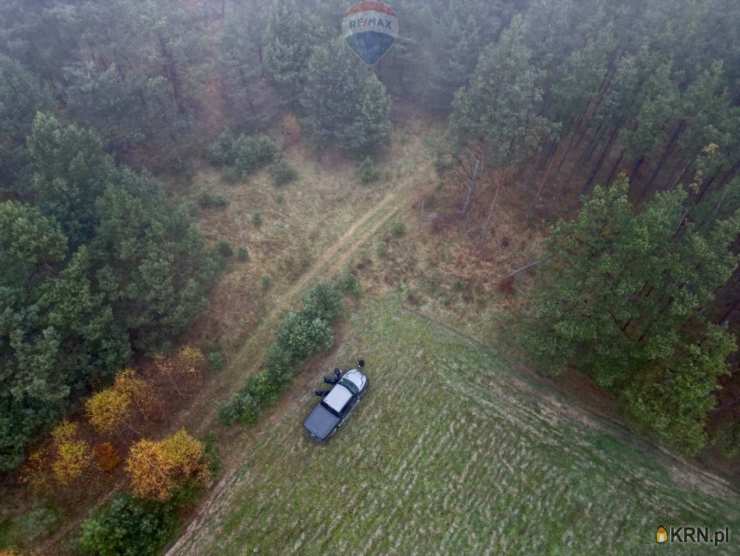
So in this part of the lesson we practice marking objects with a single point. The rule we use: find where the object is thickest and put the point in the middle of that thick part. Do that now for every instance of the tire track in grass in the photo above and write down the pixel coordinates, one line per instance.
(402, 480)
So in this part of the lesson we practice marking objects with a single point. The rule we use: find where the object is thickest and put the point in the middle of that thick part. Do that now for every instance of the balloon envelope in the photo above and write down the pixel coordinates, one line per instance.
(370, 28)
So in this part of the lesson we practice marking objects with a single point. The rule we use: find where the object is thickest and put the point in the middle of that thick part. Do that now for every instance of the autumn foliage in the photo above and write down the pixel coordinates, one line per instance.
(106, 457)
(110, 409)
(73, 456)
(107, 410)
(61, 462)
(158, 468)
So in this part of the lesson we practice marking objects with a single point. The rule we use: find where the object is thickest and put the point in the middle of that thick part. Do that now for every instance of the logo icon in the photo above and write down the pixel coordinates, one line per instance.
(370, 28)
(661, 536)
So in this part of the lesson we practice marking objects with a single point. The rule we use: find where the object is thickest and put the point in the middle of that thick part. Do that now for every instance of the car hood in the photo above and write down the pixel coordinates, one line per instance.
(320, 423)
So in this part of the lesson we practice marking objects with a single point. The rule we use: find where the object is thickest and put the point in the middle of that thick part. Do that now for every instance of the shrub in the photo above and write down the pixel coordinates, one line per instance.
(243, 254)
(242, 408)
(159, 468)
(301, 336)
(279, 365)
(253, 153)
(207, 201)
(189, 360)
(106, 457)
(263, 390)
(224, 249)
(232, 175)
(283, 173)
(26, 528)
(398, 229)
(128, 527)
(381, 249)
(222, 152)
(108, 410)
(368, 172)
(266, 282)
(72, 456)
(212, 455)
(348, 284)
(216, 360)
(322, 302)
(257, 219)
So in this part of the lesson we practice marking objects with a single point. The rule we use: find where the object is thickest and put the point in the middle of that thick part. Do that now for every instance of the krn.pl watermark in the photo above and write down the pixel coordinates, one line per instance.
(692, 535)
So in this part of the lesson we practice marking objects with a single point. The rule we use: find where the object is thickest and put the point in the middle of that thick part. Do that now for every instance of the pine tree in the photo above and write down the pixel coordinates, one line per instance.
(501, 108)
(620, 298)
(70, 171)
(658, 103)
(21, 96)
(292, 32)
(55, 332)
(345, 104)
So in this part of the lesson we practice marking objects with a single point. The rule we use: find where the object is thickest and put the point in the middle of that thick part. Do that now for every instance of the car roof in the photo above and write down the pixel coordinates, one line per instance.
(337, 398)
(357, 378)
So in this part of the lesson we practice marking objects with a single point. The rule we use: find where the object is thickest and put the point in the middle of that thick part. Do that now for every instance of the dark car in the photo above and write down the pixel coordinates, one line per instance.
(336, 405)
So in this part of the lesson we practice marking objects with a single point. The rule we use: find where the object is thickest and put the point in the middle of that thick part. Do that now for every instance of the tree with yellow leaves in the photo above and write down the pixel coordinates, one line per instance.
(73, 456)
(59, 462)
(111, 408)
(158, 468)
(108, 410)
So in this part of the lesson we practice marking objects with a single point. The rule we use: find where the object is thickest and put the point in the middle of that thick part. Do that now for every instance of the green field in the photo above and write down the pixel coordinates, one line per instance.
(450, 453)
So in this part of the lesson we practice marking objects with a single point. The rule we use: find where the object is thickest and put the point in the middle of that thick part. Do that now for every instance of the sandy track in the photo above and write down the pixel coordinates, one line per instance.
(203, 411)
(249, 358)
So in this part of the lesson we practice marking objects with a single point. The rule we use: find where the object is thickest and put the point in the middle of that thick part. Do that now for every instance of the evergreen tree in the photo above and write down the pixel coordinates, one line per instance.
(132, 274)
(658, 102)
(56, 334)
(577, 85)
(151, 263)
(345, 104)
(291, 34)
(21, 96)
(249, 103)
(501, 108)
(70, 171)
(620, 298)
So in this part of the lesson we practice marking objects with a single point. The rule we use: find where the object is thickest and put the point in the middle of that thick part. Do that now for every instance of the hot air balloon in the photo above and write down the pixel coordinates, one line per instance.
(370, 28)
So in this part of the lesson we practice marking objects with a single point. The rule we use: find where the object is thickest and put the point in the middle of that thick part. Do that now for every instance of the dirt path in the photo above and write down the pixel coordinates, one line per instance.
(202, 413)
(200, 416)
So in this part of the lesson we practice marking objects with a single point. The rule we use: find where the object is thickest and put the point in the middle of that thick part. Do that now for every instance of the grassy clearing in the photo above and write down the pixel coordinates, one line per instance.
(449, 453)
(286, 229)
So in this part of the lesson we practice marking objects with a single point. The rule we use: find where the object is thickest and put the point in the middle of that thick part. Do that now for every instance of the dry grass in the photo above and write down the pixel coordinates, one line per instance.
(298, 223)
(309, 232)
